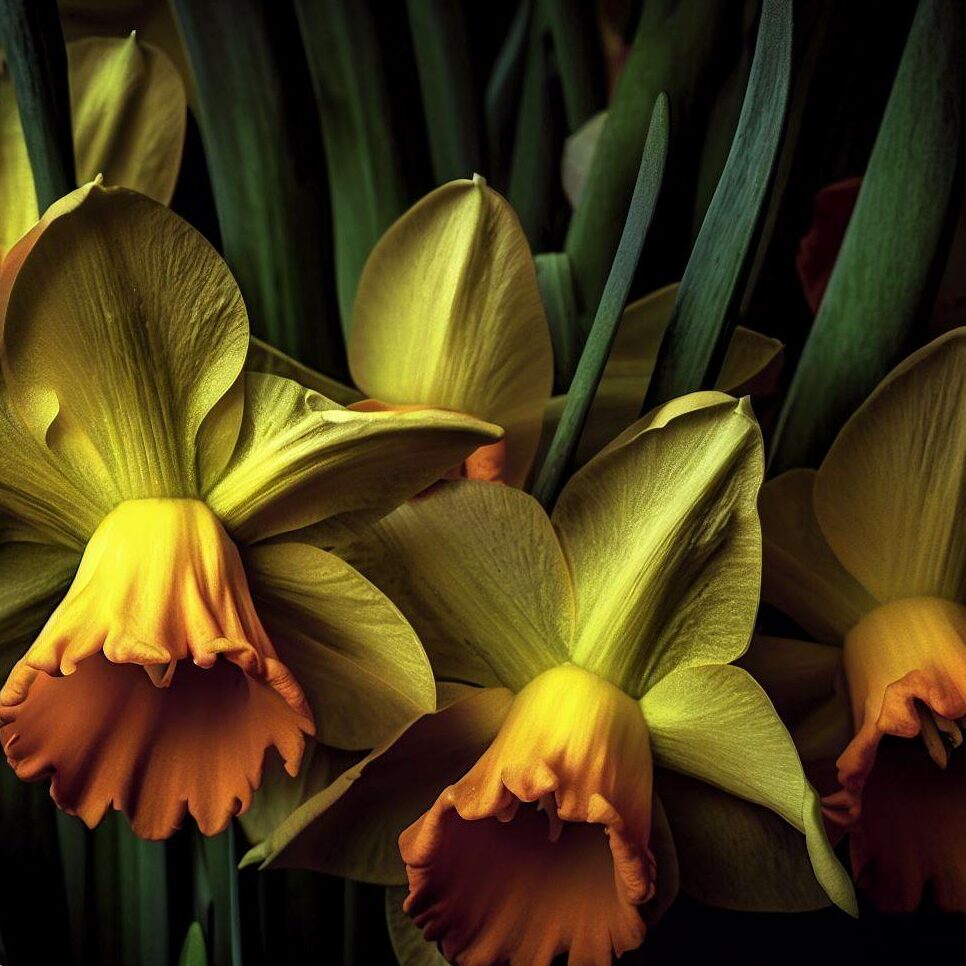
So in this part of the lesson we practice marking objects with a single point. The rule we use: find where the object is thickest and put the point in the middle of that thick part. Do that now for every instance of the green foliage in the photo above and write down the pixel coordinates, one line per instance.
(612, 302)
(887, 268)
(705, 311)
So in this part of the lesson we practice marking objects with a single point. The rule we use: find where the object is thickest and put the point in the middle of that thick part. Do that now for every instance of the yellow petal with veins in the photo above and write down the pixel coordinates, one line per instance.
(448, 314)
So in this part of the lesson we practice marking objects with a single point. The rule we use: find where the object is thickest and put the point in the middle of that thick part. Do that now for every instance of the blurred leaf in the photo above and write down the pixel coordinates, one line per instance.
(888, 265)
(216, 895)
(142, 897)
(578, 57)
(611, 308)
(365, 935)
(706, 307)
(266, 165)
(443, 59)
(366, 184)
(533, 187)
(32, 40)
(675, 48)
(193, 951)
(72, 840)
(502, 97)
(557, 294)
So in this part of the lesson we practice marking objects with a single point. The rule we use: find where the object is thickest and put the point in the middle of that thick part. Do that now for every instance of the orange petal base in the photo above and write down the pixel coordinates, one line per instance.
(122, 699)
(541, 848)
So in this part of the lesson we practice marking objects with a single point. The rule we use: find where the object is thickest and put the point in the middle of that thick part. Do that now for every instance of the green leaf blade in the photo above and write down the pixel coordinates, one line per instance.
(705, 310)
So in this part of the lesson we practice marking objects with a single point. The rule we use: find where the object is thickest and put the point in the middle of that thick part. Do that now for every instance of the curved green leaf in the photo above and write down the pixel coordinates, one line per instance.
(706, 307)
(885, 270)
(609, 312)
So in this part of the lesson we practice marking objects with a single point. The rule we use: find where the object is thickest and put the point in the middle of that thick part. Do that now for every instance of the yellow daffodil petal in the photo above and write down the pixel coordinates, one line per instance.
(129, 113)
(122, 329)
(801, 576)
(890, 496)
(360, 664)
(661, 534)
(33, 576)
(263, 357)
(734, 854)
(302, 459)
(716, 724)
(750, 363)
(478, 571)
(37, 495)
(351, 828)
(448, 314)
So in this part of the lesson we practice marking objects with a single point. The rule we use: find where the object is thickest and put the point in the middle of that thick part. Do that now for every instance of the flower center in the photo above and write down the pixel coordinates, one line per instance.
(160, 582)
(906, 667)
(493, 879)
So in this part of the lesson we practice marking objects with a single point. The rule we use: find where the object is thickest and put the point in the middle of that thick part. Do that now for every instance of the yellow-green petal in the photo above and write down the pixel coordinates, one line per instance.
(128, 114)
(448, 314)
(263, 357)
(661, 534)
(351, 828)
(123, 328)
(362, 669)
(33, 576)
(478, 571)
(750, 363)
(716, 724)
(801, 576)
(734, 854)
(890, 495)
(302, 459)
(128, 111)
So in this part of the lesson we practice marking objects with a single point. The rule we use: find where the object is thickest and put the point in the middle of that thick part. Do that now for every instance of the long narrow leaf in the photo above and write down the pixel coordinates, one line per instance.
(143, 898)
(366, 184)
(34, 46)
(886, 269)
(578, 58)
(678, 48)
(441, 43)
(193, 951)
(267, 168)
(706, 307)
(594, 357)
(216, 896)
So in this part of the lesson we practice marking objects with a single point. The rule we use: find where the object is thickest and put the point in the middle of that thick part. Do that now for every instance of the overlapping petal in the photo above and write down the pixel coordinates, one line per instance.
(478, 570)
(802, 576)
(123, 328)
(351, 828)
(302, 459)
(890, 496)
(715, 724)
(661, 535)
(360, 664)
(448, 314)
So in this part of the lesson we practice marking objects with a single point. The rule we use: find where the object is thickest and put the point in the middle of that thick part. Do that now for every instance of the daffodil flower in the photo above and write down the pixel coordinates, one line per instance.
(868, 554)
(128, 114)
(583, 668)
(167, 602)
(448, 314)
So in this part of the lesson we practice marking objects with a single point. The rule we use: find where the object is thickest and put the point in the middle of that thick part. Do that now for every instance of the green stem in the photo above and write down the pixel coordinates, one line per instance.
(611, 307)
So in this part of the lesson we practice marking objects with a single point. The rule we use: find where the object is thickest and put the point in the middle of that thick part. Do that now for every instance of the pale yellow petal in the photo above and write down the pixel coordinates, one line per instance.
(801, 576)
(18, 202)
(661, 534)
(716, 724)
(302, 459)
(122, 329)
(128, 112)
(360, 664)
(890, 496)
(448, 314)
(478, 571)
(751, 363)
